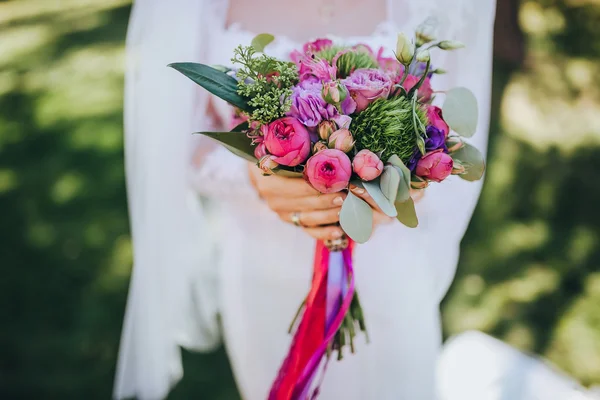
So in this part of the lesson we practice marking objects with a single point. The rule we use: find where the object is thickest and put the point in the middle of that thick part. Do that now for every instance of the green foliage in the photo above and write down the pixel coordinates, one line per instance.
(349, 61)
(387, 126)
(266, 82)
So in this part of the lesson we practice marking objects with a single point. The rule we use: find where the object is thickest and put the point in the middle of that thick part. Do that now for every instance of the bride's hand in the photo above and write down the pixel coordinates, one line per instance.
(316, 213)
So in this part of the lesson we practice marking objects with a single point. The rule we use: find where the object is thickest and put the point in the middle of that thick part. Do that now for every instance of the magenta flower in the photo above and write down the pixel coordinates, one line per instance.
(328, 171)
(425, 91)
(435, 166)
(434, 115)
(288, 140)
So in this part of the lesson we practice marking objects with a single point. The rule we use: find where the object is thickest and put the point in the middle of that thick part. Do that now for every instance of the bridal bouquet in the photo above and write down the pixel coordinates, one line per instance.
(337, 116)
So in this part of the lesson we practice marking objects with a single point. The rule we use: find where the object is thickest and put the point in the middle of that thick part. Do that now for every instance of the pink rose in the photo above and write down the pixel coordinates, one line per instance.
(425, 91)
(366, 85)
(367, 165)
(288, 140)
(328, 171)
(435, 166)
(434, 115)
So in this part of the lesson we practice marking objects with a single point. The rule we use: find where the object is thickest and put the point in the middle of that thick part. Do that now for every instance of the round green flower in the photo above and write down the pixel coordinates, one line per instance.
(354, 59)
(388, 126)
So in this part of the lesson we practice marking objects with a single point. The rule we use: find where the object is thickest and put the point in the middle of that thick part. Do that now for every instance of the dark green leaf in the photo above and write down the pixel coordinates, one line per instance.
(261, 41)
(356, 218)
(406, 213)
(236, 142)
(376, 193)
(472, 160)
(217, 82)
(460, 111)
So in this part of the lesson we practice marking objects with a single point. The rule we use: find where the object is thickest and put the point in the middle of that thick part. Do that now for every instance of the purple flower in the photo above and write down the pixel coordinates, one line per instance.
(308, 105)
(366, 85)
(435, 140)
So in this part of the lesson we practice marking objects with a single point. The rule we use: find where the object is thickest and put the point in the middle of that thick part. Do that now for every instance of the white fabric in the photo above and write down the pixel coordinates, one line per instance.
(226, 252)
(474, 366)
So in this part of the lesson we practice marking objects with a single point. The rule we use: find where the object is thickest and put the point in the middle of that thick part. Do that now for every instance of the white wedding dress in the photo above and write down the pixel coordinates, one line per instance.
(206, 245)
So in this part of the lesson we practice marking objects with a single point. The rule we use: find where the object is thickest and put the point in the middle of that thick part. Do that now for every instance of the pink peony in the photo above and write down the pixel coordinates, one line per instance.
(434, 115)
(328, 171)
(366, 85)
(367, 165)
(425, 91)
(435, 166)
(288, 140)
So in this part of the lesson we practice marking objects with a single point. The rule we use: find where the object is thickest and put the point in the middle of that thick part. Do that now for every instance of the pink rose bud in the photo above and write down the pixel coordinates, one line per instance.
(326, 128)
(435, 166)
(267, 164)
(418, 182)
(260, 151)
(342, 140)
(454, 143)
(319, 146)
(328, 171)
(333, 92)
(367, 165)
(434, 115)
(288, 140)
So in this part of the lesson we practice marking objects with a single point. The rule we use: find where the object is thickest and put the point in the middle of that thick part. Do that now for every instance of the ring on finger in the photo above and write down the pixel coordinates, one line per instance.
(296, 218)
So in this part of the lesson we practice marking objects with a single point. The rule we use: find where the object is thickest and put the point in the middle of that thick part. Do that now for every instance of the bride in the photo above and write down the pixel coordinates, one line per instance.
(216, 254)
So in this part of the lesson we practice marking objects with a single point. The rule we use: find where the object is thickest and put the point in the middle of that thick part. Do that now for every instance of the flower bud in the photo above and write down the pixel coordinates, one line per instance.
(326, 128)
(333, 92)
(439, 71)
(267, 164)
(260, 151)
(418, 183)
(454, 143)
(450, 45)
(458, 168)
(405, 49)
(342, 140)
(426, 32)
(319, 146)
(367, 165)
(423, 56)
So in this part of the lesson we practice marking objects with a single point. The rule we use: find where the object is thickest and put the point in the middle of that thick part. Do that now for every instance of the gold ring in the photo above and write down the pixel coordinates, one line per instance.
(296, 219)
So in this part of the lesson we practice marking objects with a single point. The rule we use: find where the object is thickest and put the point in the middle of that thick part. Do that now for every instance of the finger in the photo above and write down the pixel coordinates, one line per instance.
(325, 233)
(285, 187)
(363, 194)
(308, 203)
(314, 218)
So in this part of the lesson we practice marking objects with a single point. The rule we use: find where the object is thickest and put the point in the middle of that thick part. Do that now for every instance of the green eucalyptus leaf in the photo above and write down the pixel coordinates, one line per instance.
(261, 41)
(217, 82)
(406, 213)
(356, 218)
(472, 160)
(236, 142)
(375, 191)
(404, 186)
(460, 111)
(389, 182)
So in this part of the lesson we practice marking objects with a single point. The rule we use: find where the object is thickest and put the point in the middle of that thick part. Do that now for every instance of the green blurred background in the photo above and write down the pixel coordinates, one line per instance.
(530, 267)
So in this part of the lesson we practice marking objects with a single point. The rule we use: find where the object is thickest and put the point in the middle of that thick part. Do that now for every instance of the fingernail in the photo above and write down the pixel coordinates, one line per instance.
(338, 201)
(358, 190)
(336, 234)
